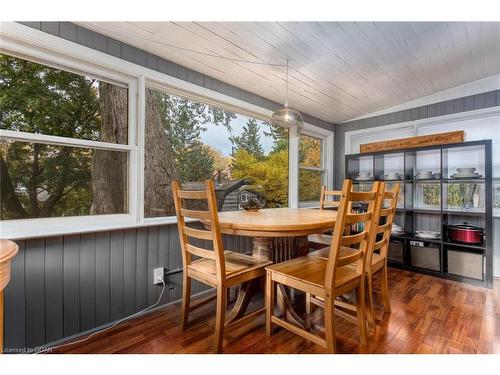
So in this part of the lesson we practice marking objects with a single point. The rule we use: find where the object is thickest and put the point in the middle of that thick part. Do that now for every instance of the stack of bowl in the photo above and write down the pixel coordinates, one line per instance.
(466, 173)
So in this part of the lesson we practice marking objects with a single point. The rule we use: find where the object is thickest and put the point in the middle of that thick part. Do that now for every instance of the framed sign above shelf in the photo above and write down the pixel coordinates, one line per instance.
(414, 142)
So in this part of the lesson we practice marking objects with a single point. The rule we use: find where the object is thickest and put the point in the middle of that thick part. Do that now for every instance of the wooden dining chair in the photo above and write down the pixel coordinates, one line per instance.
(215, 267)
(320, 240)
(330, 278)
(376, 258)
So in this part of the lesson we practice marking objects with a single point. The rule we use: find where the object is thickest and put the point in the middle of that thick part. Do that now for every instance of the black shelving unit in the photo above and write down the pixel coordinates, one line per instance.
(427, 204)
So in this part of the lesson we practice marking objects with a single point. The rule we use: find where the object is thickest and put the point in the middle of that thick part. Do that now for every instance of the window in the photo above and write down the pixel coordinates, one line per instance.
(428, 196)
(312, 171)
(63, 143)
(476, 128)
(192, 141)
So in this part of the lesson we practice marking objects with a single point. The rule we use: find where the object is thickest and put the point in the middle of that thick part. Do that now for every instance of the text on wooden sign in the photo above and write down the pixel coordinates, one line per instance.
(413, 142)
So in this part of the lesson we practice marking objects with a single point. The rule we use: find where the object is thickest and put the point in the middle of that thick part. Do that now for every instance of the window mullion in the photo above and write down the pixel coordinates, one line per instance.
(12, 135)
(293, 169)
(315, 169)
(141, 139)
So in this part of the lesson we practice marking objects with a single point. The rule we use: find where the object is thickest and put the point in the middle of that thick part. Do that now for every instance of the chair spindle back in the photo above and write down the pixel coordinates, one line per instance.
(359, 242)
(208, 217)
(324, 202)
(386, 220)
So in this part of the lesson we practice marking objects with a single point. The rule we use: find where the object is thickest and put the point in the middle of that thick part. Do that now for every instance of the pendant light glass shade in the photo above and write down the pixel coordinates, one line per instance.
(287, 117)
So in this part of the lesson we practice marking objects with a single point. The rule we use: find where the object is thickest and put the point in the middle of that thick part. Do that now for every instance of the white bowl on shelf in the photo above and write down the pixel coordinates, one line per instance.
(364, 176)
(465, 170)
(426, 172)
(360, 178)
(466, 175)
(397, 230)
(429, 234)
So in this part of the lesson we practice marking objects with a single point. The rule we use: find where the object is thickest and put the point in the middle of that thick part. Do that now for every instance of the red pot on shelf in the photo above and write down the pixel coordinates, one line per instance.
(466, 233)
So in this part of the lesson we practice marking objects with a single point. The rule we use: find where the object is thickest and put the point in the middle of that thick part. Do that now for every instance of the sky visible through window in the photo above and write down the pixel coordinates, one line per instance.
(218, 136)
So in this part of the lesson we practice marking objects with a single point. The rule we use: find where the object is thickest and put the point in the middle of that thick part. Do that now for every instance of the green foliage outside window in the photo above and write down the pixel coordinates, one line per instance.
(432, 195)
(310, 182)
(455, 198)
(271, 173)
(40, 180)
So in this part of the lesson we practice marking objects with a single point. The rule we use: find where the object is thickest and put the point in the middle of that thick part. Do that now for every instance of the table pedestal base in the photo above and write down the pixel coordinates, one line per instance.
(280, 249)
(277, 250)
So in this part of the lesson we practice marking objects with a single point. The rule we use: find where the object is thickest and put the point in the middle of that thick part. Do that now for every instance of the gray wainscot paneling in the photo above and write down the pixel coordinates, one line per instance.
(63, 286)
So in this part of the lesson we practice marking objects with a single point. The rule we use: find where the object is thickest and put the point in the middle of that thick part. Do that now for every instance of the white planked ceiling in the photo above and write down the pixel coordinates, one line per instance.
(338, 70)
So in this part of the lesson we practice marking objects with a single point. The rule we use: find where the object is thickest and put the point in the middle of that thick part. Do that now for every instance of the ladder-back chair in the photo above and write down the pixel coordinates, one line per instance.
(215, 267)
(331, 278)
(320, 240)
(376, 258)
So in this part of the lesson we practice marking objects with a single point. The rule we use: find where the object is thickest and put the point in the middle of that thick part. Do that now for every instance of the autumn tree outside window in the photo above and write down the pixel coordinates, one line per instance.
(312, 172)
(191, 141)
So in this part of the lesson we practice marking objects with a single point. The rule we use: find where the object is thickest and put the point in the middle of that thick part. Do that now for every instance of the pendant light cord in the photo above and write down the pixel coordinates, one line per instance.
(286, 98)
(227, 59)
(214, 55)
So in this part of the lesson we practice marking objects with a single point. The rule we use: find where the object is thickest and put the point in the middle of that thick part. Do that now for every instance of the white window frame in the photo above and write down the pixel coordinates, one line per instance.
(30, 44)
(25, 228)
(326, 161)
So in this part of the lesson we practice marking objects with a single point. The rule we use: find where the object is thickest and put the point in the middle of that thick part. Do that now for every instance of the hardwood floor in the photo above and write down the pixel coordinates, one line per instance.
(429, 315)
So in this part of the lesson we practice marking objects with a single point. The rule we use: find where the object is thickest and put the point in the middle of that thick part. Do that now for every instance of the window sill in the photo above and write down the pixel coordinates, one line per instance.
(39, 228)
(309, 204)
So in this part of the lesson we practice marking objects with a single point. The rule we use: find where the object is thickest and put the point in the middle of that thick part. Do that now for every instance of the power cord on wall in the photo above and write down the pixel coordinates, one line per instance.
(111, 326)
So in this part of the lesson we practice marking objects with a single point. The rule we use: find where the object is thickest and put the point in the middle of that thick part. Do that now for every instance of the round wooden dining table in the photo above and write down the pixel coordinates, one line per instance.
(291, 225)
(278, 234)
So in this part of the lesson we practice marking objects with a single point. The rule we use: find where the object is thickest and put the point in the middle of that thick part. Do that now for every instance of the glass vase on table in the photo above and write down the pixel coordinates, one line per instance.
(252, 197)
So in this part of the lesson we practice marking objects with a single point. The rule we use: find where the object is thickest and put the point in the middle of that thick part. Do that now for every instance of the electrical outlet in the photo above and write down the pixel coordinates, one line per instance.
(158, 275)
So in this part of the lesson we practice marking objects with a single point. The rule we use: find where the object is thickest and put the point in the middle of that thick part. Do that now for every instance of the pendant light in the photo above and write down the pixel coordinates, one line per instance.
(287, 117)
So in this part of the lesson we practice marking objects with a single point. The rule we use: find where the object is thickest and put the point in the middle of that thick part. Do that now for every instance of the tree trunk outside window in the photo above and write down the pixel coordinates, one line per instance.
(109, 168)
(159, 172)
